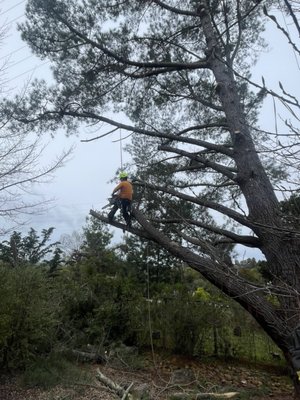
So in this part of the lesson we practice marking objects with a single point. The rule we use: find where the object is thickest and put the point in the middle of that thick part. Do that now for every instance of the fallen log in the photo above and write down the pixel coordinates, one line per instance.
(127, 392)
(124, 394)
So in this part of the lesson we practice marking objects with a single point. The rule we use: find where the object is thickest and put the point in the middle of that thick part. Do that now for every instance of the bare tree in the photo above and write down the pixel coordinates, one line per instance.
(20, 166)
(22, 156)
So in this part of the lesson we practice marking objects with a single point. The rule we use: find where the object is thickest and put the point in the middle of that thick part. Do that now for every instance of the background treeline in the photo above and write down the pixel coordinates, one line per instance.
(84, 292)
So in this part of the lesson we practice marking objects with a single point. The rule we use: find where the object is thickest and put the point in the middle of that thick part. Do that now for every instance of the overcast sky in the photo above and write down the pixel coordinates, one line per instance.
(83, 183)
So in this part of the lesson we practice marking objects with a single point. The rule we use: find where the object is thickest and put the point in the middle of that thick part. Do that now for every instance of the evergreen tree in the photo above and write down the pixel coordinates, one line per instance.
(31, 249)
(180, 71)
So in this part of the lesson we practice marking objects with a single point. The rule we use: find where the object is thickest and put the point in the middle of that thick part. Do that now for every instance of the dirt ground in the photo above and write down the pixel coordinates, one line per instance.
(251, 382)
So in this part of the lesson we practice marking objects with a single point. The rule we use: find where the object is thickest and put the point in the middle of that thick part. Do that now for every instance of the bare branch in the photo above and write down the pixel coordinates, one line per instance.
(293, 15)
(286, 34)
(100, 137)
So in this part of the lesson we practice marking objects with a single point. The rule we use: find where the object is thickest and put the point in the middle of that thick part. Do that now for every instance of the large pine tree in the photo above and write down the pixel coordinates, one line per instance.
(180, 73)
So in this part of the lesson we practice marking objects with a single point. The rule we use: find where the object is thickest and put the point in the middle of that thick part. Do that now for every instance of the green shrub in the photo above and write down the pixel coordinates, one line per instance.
(97, 308)
(28, 315)
(53, 370)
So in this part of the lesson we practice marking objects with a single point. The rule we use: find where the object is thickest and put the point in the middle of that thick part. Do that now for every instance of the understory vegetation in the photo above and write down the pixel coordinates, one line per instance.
(98, 297)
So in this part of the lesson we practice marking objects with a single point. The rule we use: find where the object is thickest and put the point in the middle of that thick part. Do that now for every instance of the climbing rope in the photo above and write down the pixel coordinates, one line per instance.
(149, 309)
(121, 151)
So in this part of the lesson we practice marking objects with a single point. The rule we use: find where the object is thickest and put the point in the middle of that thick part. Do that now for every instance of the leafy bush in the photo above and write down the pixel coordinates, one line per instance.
(49, 371)
(97, 307)
(28, 315)
(99, 299)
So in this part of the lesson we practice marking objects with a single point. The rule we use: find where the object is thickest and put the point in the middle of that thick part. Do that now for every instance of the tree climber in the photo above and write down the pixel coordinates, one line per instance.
(124, 193)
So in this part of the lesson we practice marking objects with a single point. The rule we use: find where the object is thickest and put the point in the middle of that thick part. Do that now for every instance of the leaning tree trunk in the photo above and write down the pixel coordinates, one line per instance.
(279, 244)
(218, 273)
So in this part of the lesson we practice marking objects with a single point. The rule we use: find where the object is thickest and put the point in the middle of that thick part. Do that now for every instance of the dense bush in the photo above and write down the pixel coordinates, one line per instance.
(97, 298)
(28, 315)
(97, 307)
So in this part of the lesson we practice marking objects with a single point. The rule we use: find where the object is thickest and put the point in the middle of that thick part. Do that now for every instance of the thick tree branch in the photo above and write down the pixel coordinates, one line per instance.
(239, 37)
(167, 66)
(175, 9)
(202, 184)
(200, 201)
(162, 135)
(217, 124)
(205, 162)
(155, 72)
(204, 246)
(135, 231)
(249, 241)
(219, 274)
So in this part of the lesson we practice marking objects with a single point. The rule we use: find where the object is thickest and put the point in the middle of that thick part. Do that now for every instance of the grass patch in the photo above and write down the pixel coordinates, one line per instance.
(250, 393)
(51, 371)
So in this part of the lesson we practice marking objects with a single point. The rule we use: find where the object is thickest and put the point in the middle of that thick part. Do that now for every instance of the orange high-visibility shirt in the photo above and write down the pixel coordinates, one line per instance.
(125, 190)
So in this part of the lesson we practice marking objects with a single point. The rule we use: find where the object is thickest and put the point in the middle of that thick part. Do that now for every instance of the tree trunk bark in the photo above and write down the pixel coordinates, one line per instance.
(280, 246)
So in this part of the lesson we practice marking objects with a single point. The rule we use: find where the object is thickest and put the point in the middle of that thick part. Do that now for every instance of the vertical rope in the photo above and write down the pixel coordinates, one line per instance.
(275, 115)
(121, 151)
(149, 309)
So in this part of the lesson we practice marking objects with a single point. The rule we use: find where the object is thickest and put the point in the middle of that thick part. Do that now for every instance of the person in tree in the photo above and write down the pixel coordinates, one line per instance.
(124, 193)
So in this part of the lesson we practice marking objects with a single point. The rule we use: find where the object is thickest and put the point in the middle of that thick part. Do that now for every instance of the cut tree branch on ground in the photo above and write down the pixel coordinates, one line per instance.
(119, 390)
(196, 396)
(125, 394)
